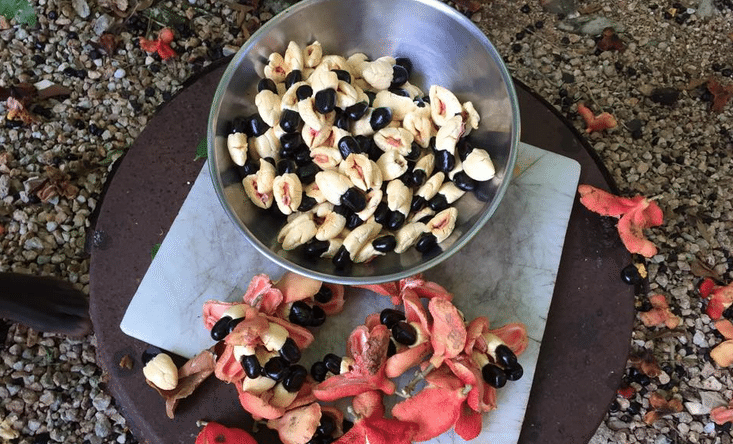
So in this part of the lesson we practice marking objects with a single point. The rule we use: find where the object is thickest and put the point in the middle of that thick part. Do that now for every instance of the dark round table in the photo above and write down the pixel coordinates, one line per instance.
(587, 336)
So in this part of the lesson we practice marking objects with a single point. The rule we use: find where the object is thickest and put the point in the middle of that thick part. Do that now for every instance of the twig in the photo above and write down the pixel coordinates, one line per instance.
(419, 376)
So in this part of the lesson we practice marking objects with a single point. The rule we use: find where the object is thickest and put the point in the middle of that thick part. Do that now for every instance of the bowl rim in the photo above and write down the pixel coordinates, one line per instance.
(345, 279)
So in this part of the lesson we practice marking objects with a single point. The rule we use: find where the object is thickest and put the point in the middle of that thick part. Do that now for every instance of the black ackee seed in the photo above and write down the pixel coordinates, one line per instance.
(270, 160)
(325, 100)
(290, 143)
(327, 425)
(494, 376)
(314, 248)
(333, 363)
(239, 124)
(399, 76)
(614, 407)
(319, 371)
(354, 199)
(300, 314)
(342, 74)
(342, 210)
(381, 117)
(251, 366)
(306, 204)
(438, 203)
(233, 323)
(290, 120)
(357, 110)
(372, 95)
(385, 244)
(221, 329)
(399, 91)
(396, 220)
(464, 182)
(415, 151)
(307, 173)
(149, 353)
(303, 92)
(303, 155)
(324, 295)
(426, 242)
(346, 425)
(249, 167)
(630, 275)
(257, 126)
(418, 178)
(444, 161)
(484, 191)
(381, 214)
(285, 166)
(341, 259)
(418, 203)
(52, 15)
(405, 63)
(319, 316)
(275, 368)
(514, 373)
(294, 378)
(293, 77)
(391, 348)
(404, 333)
(353, 220)
(290, 351)
(389, 317)
(268, 84)
(348, 145)
(12, 123)
(505, 356)
(342, 120)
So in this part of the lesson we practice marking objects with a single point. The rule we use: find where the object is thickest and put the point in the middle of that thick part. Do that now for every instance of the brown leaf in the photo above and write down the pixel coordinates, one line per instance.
(721, 95)
(108, 42)
(16, 111)
(126, 362)
(53, 91)
(610, 41)
(119, 7)
(190, 376)
(469, 5)
(56, 184)
(700, 269)
(647, 363)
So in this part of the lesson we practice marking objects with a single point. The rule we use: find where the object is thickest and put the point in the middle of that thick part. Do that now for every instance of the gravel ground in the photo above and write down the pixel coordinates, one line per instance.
(669, 143)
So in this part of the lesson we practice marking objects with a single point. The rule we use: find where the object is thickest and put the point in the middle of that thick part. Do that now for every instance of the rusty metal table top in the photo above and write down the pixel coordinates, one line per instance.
(587, 336)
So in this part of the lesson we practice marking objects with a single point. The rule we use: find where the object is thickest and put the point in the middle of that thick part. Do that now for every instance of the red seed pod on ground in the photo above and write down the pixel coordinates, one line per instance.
(215, 433)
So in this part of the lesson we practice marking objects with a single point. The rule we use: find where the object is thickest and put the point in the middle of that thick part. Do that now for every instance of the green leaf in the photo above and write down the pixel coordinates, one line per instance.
(112, 156)
(202, 150)
(20, 10)
(164, 16)
(154, 251)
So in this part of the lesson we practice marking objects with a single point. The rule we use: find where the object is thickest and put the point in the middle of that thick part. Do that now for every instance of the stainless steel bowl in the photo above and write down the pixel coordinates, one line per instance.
(445, 49)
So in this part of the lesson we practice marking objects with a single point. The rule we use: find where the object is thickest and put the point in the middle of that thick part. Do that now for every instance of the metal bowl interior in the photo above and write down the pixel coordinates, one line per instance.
(445, 48)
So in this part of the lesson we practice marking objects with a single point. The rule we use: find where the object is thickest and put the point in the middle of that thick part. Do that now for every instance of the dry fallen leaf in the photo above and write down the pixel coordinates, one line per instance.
(721, 94)
(610, 41)
(108, 42)
(190, 376)
(16, 111)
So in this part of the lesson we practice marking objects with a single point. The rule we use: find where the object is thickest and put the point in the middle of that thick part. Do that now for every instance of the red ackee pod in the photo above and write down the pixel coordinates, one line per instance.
(295, 287)
(514, 335)
(262, 294)
(390, 289)
(469, 424)
(371, 426)
(408, 357)
(213, 311)
(436, 408)
(368, 348)
(447, 332)
(423, 288)
(247, 332)
(215, 433)
(297, 426)
(720, 299)
(482, 397)
(259, 405)
(336, 304)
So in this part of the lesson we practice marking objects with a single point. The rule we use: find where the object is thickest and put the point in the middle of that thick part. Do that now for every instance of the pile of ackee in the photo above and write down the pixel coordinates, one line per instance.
(462, 362)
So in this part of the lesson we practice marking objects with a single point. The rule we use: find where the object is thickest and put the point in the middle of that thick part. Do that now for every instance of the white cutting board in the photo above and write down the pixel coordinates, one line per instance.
(507, 273)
